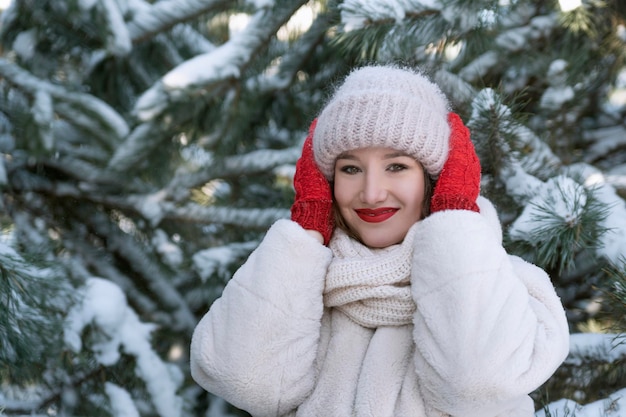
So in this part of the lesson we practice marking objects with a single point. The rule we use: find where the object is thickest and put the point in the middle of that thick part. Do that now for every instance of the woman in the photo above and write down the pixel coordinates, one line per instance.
(394, 298)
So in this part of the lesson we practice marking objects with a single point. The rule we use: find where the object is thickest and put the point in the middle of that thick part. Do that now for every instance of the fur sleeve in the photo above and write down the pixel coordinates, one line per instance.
(256, 346)
(489, 327)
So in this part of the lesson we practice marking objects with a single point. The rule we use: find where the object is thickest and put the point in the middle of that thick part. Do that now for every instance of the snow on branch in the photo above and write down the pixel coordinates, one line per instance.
(612, 406)
(44, 117)
(191, 39)
(480, 66)
(88, 111)
(117, 36)
(505, 141)
(167, 13)
(523, 37)
(89, 259)
(355, 14)
(596, 347)
(563, 218)
(612, 245)
(148, 268)
(292, 60)
(105, 306)
(254, 162)
(604, 141)
(202, 74)
(217, 260)
(140, 142)
(122, 403)
(208, 71)
(88, 174)
(250, 218)
(455, 86)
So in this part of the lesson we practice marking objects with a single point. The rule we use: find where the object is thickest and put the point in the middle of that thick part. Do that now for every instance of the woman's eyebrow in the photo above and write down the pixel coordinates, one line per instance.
(346, 156)
(395, 155)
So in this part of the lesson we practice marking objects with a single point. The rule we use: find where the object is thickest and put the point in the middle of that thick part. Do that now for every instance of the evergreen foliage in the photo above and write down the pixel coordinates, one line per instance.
(145, 147)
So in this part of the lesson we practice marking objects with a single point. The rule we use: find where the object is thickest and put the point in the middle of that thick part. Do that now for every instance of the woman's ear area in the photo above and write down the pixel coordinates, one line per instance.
(429, 186)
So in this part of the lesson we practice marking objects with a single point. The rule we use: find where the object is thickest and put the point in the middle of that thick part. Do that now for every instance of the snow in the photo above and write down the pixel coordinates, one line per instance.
(104, 121)
(105, 307)
(218, 64)
(259, 4)
(480, 66)
(118, 39)
(217, 260)
(554, 97)
(613, 406)
(569, 5)
(605, 140)
(25, 43)
(517, 38)
(171, 254)
(4, 180)
(86, 5)
(613, 242)
(43, 115)
(559, 92)
(520, 184)
(201, 71)
(607, 348)
(121, 401)
(150, 206)
(355, 13)
(565, 198)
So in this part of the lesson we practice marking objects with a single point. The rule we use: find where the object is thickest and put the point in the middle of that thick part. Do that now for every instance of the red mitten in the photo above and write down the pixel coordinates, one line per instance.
(459, 182)
(312, 207)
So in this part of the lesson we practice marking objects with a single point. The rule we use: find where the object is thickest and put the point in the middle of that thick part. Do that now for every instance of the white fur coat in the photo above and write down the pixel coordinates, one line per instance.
(488, 329)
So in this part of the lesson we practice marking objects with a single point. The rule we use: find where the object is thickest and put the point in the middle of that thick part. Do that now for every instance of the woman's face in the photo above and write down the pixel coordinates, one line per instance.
(379, 193)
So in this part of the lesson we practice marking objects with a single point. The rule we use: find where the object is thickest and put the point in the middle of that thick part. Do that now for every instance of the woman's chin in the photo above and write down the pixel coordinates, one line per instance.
(380, 241)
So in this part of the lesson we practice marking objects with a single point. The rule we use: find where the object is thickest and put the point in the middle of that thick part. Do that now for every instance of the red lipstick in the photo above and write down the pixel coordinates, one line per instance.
(376, 215)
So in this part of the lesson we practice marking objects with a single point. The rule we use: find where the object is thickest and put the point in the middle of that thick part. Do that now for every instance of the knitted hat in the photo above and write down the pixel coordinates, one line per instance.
(384, 106)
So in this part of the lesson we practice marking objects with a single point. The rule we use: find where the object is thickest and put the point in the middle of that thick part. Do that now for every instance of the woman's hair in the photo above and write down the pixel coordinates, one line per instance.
(429, 185)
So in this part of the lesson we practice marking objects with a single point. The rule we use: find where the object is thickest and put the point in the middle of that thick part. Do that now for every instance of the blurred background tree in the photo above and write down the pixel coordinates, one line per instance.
(147, 145)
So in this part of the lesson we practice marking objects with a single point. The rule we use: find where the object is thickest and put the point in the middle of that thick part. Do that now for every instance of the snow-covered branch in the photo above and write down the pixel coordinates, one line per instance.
(105, 306)
(118, 40)
(153, 276)
(209, 70)
(104, 122)
(206, 73)
(141, 141)
(612, 406)
(167, 13)
(598, 347)
(254, 162)
(293, 59)
(217, 260)
(247, 218)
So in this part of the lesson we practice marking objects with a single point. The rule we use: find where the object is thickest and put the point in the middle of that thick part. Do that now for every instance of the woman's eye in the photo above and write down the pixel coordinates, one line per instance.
(349, 169)
(396, 167)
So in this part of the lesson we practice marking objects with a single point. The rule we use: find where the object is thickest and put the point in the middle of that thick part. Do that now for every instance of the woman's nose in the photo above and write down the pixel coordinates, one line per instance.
(373, 189)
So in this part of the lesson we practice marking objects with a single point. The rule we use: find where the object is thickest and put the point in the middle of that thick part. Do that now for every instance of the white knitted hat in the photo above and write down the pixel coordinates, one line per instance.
(384, 106)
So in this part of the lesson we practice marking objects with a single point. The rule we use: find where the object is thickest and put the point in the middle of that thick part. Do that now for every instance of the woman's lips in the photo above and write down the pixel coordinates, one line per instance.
(376, 215)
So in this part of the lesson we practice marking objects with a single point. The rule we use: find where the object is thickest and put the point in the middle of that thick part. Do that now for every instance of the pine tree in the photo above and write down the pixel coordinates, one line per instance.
(146, 147)
(537, 84)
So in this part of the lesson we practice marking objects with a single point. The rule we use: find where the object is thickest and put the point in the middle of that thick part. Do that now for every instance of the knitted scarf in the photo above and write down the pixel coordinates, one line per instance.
(371, 286)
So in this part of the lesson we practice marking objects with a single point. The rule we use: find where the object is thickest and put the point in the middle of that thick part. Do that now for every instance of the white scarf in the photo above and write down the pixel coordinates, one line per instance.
(371, 286)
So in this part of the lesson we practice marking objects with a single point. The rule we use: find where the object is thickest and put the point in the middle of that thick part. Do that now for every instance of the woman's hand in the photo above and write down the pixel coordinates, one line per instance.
(459, 183)
(312, 207)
